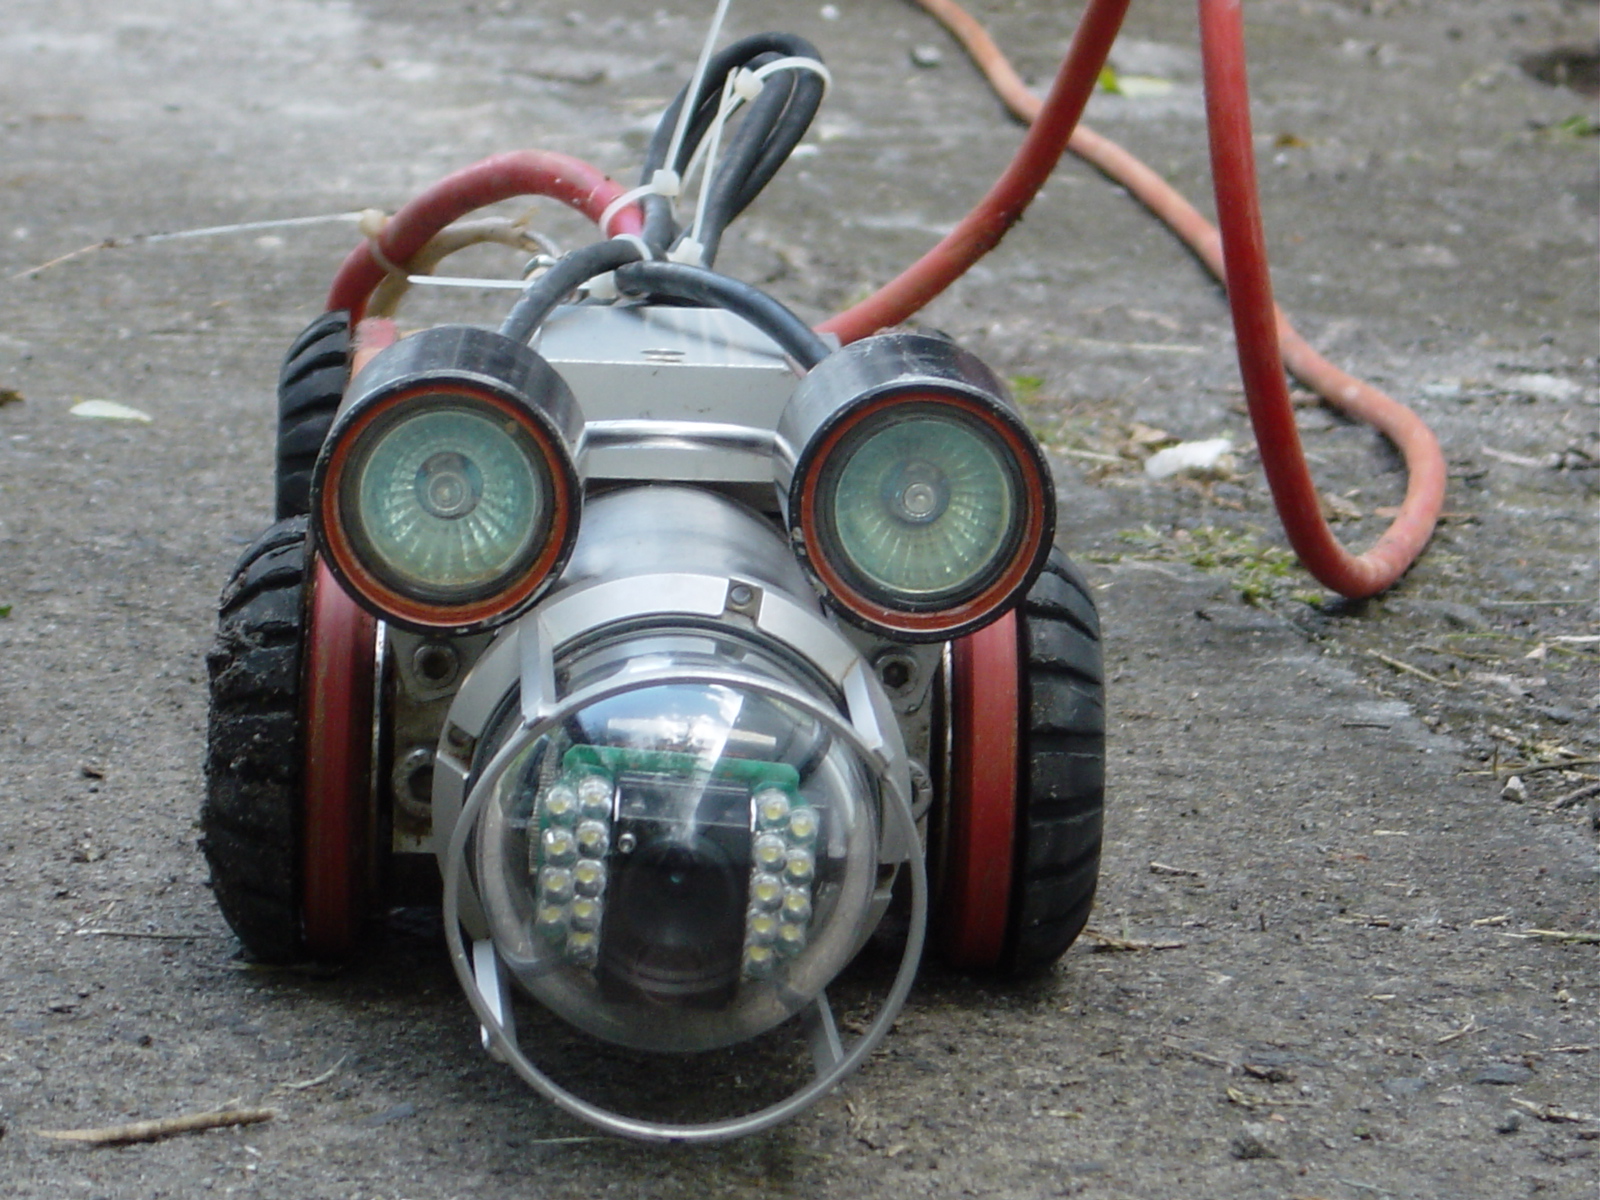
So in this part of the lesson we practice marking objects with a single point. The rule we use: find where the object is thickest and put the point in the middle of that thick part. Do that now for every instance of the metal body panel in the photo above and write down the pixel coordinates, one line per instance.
(651, 363)
(663, 529)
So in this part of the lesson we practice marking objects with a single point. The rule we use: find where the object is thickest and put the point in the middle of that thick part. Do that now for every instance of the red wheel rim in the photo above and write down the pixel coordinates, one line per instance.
(341, 646)
(985, 700)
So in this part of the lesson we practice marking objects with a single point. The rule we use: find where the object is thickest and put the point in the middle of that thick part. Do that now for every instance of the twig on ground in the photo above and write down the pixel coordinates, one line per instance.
(1576, 796)
(1368, 919)
(1471, 1026)
(1366, 1187)
(1579, 937)
(1553, 1113)
(154, 1131)
(1242, 1099)
(1399, 665)
(153, 937)
(1157, 868)
(1530, 768)
(1211, 1060)
(316, 1081)
(1105, 943)
(1526, 603)
(1246, 1100)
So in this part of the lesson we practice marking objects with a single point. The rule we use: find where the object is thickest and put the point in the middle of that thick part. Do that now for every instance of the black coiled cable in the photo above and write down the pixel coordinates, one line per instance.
(771, 129)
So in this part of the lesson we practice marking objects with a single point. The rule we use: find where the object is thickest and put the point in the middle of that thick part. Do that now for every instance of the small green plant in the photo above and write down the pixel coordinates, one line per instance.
(1259, 571)
(1026, 387)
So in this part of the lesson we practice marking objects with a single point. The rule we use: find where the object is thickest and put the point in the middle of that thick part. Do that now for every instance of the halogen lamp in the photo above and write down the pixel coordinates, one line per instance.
(446, 496)
(913, 494)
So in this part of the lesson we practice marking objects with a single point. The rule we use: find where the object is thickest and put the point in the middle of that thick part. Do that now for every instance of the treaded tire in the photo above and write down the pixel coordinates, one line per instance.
(1061, 778)
(310, 387)
(250, 818)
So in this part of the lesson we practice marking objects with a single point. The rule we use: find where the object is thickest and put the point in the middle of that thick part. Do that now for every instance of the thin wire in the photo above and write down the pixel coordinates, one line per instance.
(145, 239)
(684, 115)
(730, 102)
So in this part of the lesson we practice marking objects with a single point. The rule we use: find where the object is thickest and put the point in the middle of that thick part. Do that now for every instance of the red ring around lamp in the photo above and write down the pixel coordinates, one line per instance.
(336, 832)
(392, 605)
(980, 833)
(931, 624)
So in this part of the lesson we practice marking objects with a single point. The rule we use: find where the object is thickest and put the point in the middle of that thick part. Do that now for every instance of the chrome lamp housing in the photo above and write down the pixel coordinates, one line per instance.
(446, 496)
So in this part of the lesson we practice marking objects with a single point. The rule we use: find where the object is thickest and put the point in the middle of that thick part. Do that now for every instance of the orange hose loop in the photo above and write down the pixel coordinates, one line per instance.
(519, 173)
(1269, 342)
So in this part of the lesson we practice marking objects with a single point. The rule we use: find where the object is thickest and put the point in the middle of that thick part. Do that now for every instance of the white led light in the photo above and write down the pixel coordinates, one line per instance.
(803, 825)
(560, 846)
(796, 905)
(791, 939)
(555, 885)
(766, 890)
(769, 851)
(799, 866)
(560, 804)
(761, 927)
(583, 947)
(594, 796)
(772, 808)
(585, 913)
(759, 961)
(592, 837)
(551, 921)
(588, 877)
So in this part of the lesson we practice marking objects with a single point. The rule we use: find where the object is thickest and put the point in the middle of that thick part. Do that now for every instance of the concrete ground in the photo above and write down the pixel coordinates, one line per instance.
(1321, 872)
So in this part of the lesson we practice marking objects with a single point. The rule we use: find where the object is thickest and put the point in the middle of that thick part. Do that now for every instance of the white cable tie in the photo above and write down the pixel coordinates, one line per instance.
(666, 183)
(797, 63)
(371, 222)
(747, 84)
(687, 251)
(602, 287)
(633, 239)
(620, 203)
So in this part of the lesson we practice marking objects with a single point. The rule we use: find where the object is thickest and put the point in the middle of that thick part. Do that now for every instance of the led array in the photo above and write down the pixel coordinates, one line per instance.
(783, 867)
(574, 822)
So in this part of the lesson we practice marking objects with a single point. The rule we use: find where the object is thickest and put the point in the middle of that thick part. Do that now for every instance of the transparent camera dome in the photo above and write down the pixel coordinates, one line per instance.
(684, 864)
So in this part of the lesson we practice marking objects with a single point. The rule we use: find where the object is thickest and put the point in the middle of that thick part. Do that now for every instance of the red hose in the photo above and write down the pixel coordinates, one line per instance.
(1271, 416)
(1256, 325)
(981, 229)
(519, 173)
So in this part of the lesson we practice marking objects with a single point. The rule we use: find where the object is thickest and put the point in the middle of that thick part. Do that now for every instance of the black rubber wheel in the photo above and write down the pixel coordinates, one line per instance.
(310, 387)
(1061, 778)
(251, 815)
